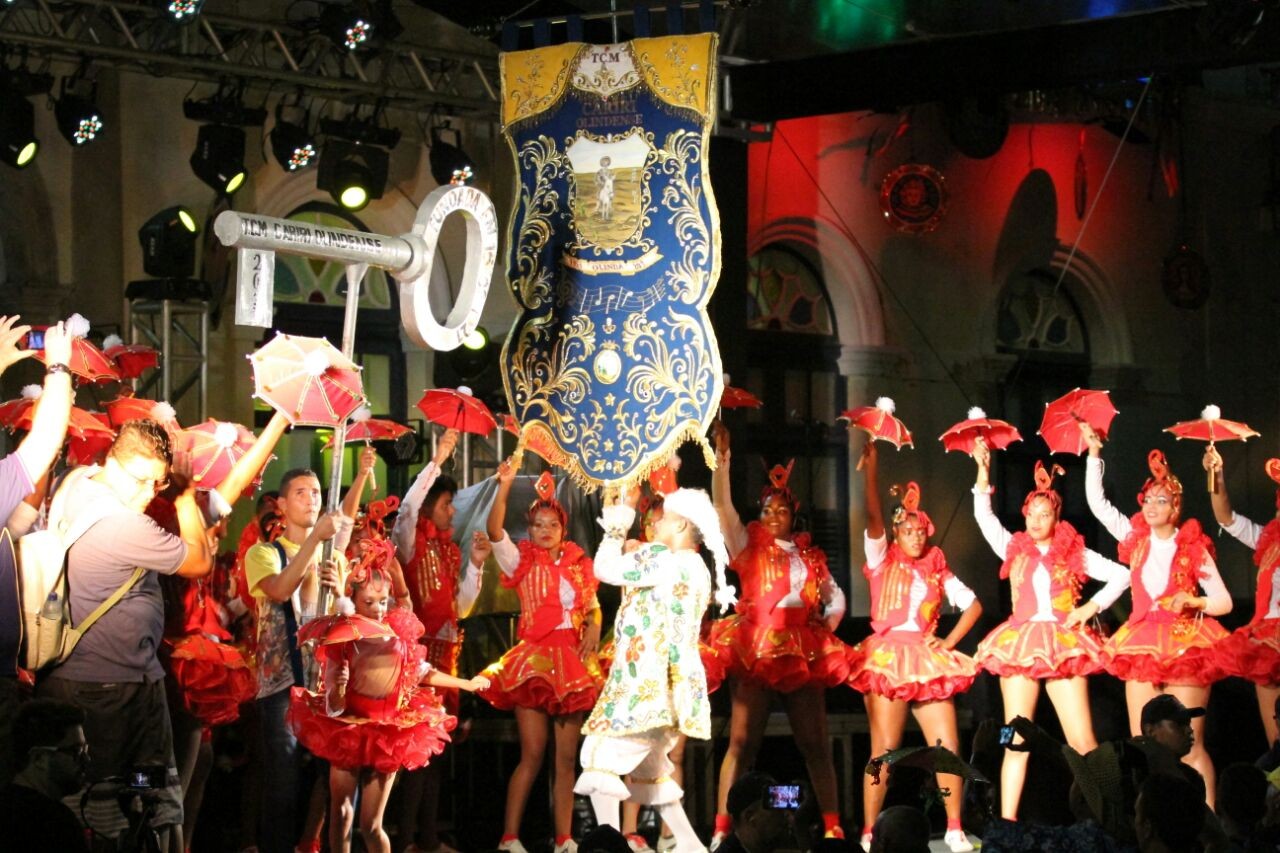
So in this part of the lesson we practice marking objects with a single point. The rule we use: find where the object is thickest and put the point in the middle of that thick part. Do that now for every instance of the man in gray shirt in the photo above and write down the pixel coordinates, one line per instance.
(114, 674)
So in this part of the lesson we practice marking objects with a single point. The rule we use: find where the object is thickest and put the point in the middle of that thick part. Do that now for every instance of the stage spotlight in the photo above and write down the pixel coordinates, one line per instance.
(181, 9)
(449, 163)
(352, 173)
(353, 25)
(169, 243)
(219, 157)
(477, 340)
(292, 144)
(79, 120)
(18, 143)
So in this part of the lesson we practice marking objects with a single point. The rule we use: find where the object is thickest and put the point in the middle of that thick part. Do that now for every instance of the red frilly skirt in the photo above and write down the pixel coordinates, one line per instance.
(784, 659)
(1163, 649)
(212, 679)
(407, 739)
(1253, 652)
(549, 675)
(911, 666)
(1041, 650)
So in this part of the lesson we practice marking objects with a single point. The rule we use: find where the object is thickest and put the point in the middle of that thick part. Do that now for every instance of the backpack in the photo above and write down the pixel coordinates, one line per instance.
(49, 637)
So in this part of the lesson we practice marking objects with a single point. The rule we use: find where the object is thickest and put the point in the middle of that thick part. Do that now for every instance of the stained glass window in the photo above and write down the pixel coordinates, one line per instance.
(307, 281)
(784, 294)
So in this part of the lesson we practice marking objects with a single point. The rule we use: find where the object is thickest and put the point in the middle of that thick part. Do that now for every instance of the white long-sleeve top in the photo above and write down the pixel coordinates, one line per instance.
(1112, 574)
(403, 534)
(1249, 532)
(959, 595)
(1159, 562)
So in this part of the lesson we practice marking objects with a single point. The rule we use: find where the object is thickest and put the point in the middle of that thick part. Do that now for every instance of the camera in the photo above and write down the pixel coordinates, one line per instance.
(147, 778)
(34, 338)
(782, 797)
(1006, 735)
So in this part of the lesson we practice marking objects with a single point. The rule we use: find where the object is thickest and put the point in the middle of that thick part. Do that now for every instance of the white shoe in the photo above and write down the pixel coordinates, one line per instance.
(666, 843)
(571, 846)
(513, 846)
(865, 842)
(716, 840)
(957, 841)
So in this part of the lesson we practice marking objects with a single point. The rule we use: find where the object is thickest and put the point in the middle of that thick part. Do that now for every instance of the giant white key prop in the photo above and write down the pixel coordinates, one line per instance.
(407, 258)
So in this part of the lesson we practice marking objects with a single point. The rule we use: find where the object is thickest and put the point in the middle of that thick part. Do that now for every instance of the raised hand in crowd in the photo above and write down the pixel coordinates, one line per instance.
(481, 547)
(12, 336)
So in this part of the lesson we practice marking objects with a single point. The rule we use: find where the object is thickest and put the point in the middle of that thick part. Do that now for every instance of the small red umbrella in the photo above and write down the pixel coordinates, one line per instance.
(87, 446)
(214, 447)
(1060, 427)
(16, 415)
(130, 359)
(123, 409)
(996, 433)
(879, 422)
(87, 361)
(307, 380)
(457, 409)
(343, 628)
(372, 429)
(1212, 427)
(738, 398)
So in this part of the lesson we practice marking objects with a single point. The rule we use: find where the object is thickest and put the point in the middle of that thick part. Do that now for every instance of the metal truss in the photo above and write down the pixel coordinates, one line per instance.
(264, 54)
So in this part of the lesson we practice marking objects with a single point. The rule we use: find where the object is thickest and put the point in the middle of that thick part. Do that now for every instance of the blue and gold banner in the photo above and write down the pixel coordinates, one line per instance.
(614, 252)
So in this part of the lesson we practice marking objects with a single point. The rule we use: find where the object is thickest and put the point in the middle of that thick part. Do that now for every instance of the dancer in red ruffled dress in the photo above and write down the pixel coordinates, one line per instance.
(1047, 637)
(780, 640)
(904, 666)
(373, 713)
(1253, 650)
(551, 675)
(1167, 646)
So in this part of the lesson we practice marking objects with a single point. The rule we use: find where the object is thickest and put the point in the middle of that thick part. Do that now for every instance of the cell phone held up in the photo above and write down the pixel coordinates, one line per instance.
(34, 338)
(1006, 735)
(782, 797)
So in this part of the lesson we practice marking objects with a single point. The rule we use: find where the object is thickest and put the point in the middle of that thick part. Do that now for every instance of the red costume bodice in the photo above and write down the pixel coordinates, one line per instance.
(891, 588)
(1267, 558)
(433, 576)
(764, 572)
(1185, 573)
(537, 583)
(1064, 561)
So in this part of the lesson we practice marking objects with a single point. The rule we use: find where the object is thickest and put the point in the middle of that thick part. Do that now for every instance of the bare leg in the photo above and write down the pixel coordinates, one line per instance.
(807, 711)
(373, 805)
(1019, 694)
(532, 725)
(1137, 694)
(746, 729)
(938, 720)
(1197, 697)
(1070, 698)
(193, 792)
(429, 808)
(412, 783)
(1267, 709)
(342, 792)
(568, 735)
(313, 822)
(888, 718)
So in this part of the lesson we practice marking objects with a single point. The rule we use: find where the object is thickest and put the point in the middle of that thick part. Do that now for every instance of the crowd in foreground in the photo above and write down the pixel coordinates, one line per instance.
(333, 638)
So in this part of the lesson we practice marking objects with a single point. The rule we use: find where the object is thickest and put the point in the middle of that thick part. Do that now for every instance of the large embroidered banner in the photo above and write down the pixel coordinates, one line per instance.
(614, 252)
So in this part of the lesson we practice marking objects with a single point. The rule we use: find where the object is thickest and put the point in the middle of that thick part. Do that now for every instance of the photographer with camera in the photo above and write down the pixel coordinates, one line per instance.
(50, 754)
(761, 816)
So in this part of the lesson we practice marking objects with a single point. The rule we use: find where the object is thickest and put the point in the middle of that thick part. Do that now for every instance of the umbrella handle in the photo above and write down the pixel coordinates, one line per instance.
(373, 473)
(1213, 477)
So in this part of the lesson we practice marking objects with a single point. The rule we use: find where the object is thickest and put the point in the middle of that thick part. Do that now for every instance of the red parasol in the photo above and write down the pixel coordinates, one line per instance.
(373, 429)
(1212, 427)
(130, 359)
(87, 361)
(85, 448)
(963, 436)
(214, 447)
(879, 422)
(1060, 427)
(457, 409)
(123, 409)
(343, 628)
(307, 380)
(738, 398)
(87, 435)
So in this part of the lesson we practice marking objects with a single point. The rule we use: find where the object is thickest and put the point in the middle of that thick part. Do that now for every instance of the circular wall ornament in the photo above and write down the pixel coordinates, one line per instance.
(914, 198)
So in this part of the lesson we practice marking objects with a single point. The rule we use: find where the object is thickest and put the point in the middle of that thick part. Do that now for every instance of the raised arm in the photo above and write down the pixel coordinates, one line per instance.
(992, 530)
(735, 534)
(473, 573)
(52, 414)
(254, 460)
(498, 512)
(364, 470)
(1112, 519)
(870, 465)
(403, 531)
(1244, 529)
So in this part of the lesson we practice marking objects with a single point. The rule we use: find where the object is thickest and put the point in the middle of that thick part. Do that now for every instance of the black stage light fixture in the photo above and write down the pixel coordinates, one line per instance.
(183, 10)
(169, 243)
(358, 23)
(353, 173)
(219, 157)
(292, 144)
(449, 163)
(78, 116)
(18, 143)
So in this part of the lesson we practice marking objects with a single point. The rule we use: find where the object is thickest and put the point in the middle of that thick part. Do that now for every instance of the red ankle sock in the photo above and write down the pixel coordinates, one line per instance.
(953, 823)
(561, 839)
(830, 821)
(507, 838)
(724, 823)
(867, 830)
